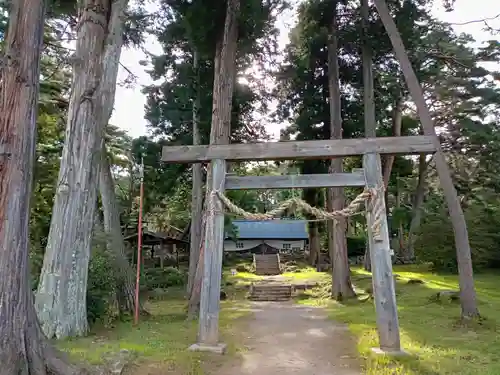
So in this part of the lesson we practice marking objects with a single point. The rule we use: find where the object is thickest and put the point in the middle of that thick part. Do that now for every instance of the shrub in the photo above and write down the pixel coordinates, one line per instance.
(154, 278)
(436, 243)
(100, 287)
(356, 246)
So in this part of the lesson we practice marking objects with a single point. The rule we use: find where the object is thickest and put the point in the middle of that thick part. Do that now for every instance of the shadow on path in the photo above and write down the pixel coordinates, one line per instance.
(285, 338)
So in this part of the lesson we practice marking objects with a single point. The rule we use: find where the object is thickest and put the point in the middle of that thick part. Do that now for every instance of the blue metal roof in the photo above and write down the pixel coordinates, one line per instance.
(271, 229)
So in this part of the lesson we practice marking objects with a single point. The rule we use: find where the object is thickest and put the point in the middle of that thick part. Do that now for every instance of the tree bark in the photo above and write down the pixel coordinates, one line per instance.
(417, 203)
(24, 349)
(124, 276)
(224, 78)
(397, 120)
(401, 249)
(197, 192)
(468, 298)
(61, 299)
(368, 92)
(314, 244)
(337, 242)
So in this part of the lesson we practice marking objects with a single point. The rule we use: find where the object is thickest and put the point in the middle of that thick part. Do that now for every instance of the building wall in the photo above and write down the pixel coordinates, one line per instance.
(282, 245)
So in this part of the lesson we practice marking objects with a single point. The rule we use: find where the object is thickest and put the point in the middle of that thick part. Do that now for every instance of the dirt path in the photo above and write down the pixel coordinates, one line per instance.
(285, 338)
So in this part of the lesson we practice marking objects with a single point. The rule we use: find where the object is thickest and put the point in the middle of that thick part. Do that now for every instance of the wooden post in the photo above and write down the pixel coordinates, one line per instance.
(208, 332)
(383, 279)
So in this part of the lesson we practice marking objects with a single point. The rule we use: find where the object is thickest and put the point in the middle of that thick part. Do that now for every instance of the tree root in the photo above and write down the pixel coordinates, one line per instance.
(57, 363)
(30, 353)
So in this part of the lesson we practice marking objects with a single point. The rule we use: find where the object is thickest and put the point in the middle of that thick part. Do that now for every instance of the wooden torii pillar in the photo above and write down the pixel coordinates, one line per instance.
(370, 148)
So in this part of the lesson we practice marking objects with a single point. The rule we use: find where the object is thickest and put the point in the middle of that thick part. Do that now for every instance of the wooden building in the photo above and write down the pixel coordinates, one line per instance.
(158, 248)
(268, 237)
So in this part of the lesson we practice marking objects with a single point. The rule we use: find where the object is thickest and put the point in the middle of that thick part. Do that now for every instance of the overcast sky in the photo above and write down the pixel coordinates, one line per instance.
(129, 102)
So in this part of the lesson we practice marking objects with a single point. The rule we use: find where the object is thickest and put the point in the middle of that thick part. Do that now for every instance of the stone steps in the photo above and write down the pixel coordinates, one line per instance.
(270, 292)
(267, 264)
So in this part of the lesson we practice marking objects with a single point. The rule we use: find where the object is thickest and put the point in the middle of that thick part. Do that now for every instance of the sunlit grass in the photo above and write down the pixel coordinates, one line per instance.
(244, 276)
(161, 340)
(430, 332)
(306, 273)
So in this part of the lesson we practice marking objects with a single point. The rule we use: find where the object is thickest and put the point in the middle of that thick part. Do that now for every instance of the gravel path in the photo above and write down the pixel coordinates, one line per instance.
(289, 339)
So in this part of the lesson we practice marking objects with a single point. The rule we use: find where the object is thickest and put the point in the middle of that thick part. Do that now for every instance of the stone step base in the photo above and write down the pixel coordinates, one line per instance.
(270, 292)
(269, 299)
(268, 272)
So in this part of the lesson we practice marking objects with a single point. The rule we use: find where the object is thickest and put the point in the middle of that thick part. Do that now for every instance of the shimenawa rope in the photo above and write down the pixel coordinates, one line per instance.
(294, 204)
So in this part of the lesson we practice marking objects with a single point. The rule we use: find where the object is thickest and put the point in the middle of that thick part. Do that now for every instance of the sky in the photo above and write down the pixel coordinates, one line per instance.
(128, 113)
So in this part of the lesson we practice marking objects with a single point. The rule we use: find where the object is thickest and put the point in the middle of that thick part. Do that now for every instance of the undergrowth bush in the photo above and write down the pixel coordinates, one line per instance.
(154, 278)
(356, 246)
(436, 243)
(100, 287)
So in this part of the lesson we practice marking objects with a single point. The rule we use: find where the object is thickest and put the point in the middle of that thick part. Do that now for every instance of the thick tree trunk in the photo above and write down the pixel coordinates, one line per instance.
(61, 298)
(416, 209)
(124, 276)
(116, 245)
(23, 348)
(337, 242)
(466, 278)
(197, 192)
(368, 92)
(224, 78)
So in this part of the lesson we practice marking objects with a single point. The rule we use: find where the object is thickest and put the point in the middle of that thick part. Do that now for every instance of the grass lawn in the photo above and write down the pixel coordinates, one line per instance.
(160, 341)
(430, 331)
(304, 273)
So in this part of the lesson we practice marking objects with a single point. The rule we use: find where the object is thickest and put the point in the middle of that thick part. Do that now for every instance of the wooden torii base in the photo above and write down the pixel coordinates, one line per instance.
(371, 177)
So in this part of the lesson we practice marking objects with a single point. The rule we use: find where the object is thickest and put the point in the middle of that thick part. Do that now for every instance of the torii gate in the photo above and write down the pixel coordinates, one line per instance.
(369, 148)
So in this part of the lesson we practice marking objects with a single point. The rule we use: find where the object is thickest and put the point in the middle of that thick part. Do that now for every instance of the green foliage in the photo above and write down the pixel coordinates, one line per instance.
(100, 287)
(154, 278)
(356, 246)
(436, 245)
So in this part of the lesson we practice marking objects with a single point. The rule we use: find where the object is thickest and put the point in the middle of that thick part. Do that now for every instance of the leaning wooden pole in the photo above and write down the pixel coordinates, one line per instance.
(468, 298)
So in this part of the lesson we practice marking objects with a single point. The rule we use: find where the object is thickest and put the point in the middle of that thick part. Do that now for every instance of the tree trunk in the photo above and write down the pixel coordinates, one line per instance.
(368, 92)
(401, 249)
(468, 298)
(197, 192)
(397, 120)
(337, 242)
(116, 245)
(24, 349)
(314, 243)
(224, 78)
(61, 298)
(417, 203)
(124, 276)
